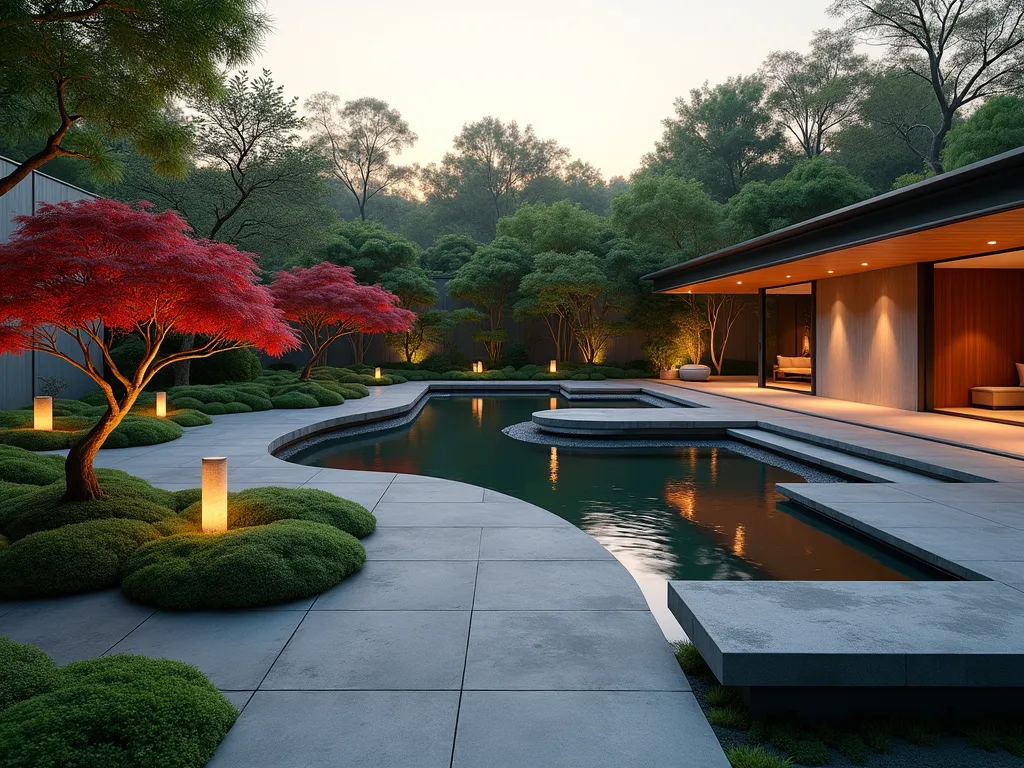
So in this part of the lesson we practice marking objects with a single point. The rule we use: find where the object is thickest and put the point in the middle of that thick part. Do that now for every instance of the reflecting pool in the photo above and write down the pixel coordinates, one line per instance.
(667, 513)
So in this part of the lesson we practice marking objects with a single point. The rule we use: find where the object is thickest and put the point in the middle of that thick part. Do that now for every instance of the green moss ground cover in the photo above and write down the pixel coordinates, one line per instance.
(752, 742)
(282, 543)
(113, 712)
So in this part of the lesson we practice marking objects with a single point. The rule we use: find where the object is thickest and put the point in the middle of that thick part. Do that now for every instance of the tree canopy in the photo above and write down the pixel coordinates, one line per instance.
(76, 79)
(996, 127)
(669, 213)
(97, 267)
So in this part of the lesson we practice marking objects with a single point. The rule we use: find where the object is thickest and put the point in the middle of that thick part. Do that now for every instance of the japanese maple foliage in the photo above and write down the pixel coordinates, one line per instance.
(87, 267)
(325, 302)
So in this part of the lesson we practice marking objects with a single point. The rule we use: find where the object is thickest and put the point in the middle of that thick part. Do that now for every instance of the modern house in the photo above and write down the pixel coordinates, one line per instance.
(913, 299)
(21, 375)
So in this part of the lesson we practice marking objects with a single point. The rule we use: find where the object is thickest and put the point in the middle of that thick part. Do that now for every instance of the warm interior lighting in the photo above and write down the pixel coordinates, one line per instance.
(863, 263)
(376, 373)
(215, 494)
(161, 404)
(788, 276)
(553, 366)
(993, 242)
(831, 271)
(739, 282)
(42, 414)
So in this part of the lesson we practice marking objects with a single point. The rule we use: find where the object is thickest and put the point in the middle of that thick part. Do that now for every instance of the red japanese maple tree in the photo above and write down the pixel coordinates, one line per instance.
(325, 302)
(97, 269)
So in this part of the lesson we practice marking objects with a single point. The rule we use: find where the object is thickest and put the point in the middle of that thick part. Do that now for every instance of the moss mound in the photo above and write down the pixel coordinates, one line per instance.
(294, 400)
(140, 430)
(25, 671)
(74, 558)
(262, 506)
(243, 568)
(118, 712)
(127, 497)
(21, 466)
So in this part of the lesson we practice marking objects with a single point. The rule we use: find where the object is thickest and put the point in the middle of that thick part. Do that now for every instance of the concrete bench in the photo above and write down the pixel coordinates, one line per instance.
(997, 397)
(835, 648)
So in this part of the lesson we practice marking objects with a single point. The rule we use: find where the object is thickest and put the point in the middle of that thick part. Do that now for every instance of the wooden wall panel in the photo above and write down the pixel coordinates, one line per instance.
(979, 331)
(867, 344)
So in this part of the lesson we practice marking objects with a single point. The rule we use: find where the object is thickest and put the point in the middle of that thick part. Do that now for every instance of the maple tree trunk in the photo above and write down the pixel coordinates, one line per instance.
(79, 474)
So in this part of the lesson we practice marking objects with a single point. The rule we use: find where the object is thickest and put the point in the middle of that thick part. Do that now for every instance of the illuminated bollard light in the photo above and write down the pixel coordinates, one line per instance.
(215, 494)
(478, 366)
(553, 366)
(161, 404)
(42, 414)
(376, 373)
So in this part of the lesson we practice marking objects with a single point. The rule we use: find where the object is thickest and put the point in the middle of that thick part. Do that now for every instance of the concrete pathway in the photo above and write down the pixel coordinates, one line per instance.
(483, 632)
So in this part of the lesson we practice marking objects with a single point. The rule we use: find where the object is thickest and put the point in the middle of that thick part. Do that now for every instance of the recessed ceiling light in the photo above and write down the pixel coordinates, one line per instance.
(993, 242)
(863, 263)
(788, 276)
(831, 271)
(739, 282)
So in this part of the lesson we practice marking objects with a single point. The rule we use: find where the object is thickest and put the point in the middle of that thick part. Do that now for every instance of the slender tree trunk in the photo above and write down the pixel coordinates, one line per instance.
(935, 150)
(79, 475)
(304, 376)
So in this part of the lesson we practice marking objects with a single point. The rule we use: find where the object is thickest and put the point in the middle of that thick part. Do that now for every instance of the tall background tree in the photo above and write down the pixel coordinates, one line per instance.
(723, 136)
(77, 77)
(494, 163)
(812, 95)
(358, 141)
(965, 50)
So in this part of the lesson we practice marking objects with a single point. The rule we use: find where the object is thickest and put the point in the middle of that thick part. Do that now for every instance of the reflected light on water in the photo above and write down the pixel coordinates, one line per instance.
(553, 467)
(553, 404)
(739, 542)
(478, 411)
(682, 496)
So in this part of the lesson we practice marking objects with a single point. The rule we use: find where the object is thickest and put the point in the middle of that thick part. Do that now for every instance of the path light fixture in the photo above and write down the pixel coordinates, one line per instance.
(376, 373)
(42, 414)
(161, 404)
(478, 366)
(553, 366)
(215, 494)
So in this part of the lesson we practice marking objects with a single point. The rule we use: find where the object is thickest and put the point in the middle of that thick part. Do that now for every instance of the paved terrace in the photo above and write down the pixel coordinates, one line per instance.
(774, 634)
(483, 632)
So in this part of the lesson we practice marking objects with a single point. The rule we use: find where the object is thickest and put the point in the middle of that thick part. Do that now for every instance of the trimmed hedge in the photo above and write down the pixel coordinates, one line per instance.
(118, 712)
(83, 557)
(25, 671)
(18, 465)
(243, 568)
(294, 400)
(262, 506)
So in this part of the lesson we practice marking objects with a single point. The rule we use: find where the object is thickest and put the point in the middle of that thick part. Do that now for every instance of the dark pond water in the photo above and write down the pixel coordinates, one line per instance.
(676, 513)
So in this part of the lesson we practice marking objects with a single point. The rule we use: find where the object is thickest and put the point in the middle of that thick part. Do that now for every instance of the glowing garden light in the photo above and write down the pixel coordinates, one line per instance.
(478, 366)
(553, 366)
(42, 414)
(376, 373)
(215, 494)
(161, 404)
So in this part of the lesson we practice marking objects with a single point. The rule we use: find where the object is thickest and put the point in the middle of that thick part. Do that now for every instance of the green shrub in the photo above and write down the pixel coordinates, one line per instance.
(242, 568)
(260, 506)
(140, 430)
(283, 367)
(743, 756)
(118, 712)
(235, 365)
(125, 497)
(19, 419)
(322, 395)
(731, 716)
(32, 440)
(294, 400)
(186, 498)
(185, 403)
(4, 542)
(691, 661)
(720, 696)
(25, 671)
(188, 417)
(441, 363)
(18, 465)
(73, 558)
(219, 409)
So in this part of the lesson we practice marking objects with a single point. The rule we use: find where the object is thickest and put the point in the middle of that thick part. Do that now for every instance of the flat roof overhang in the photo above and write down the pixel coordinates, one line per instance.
(975, 210)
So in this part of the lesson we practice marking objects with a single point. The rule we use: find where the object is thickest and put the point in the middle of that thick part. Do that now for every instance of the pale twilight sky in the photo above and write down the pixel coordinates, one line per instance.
(598, 76)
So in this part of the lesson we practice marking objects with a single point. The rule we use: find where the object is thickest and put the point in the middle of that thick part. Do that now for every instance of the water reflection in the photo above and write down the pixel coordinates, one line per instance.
(681, 513)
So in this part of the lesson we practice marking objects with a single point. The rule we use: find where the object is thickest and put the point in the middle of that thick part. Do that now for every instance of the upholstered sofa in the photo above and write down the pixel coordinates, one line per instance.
(791, 368)
(1000, 397)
